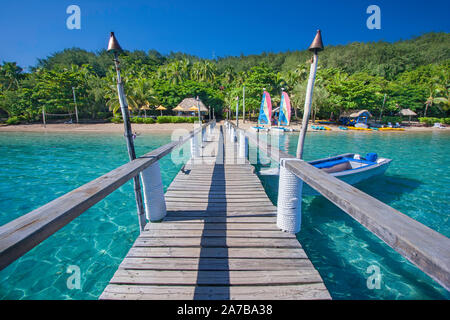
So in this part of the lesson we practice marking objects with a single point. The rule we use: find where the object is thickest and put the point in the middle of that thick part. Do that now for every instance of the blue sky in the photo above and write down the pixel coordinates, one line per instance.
(35, 29)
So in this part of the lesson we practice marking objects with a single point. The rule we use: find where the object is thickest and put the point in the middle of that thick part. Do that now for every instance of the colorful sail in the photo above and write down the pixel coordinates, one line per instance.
(285, 110)
(265, 113)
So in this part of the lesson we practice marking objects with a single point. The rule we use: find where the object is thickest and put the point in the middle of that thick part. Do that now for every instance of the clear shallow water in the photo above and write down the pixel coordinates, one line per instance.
(39, 168)
(416, 184)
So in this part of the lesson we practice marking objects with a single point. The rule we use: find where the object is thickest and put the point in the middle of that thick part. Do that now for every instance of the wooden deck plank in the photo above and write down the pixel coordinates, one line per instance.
(220, 213)
(217, 277)
(211, 226)
(257, 253)
(217, 219)
(129, 292)
(223, 241)
(219, 240)
(274, 234)
(212, 264)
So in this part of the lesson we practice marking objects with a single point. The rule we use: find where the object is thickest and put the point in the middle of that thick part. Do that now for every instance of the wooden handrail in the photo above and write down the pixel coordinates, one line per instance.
(24, 233)
(424, 247)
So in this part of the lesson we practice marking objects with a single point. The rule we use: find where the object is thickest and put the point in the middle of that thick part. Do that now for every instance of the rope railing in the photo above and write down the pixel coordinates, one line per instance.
(424, 247)
(24, 233)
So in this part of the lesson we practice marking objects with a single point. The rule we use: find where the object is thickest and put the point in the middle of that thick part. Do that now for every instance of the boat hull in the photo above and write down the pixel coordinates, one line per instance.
(354, 176)
(351, 177)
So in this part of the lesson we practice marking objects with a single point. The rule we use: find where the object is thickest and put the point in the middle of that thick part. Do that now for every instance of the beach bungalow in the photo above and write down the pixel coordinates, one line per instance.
(407, 112)
(187, 103)
(355, 118)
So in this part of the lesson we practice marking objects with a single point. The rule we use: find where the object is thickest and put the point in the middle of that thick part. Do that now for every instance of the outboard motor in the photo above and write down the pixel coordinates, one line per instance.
(372, 157)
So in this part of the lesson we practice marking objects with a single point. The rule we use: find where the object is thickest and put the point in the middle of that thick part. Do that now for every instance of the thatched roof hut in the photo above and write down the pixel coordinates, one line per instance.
(407, 112)
(191, 102)
(356, 113)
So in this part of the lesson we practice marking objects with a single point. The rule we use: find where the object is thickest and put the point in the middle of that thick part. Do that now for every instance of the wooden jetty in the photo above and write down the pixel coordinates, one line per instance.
(218, 241)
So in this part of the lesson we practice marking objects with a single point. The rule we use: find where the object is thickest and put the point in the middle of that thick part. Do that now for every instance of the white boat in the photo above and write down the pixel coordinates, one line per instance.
(349, 167)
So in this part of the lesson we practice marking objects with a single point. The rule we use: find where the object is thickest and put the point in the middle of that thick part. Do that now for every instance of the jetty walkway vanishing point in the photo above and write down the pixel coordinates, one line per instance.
(214, 234)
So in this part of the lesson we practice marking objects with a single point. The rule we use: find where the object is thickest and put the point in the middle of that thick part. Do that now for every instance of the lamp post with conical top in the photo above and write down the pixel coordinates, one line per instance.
(315, 47)
(114, 47)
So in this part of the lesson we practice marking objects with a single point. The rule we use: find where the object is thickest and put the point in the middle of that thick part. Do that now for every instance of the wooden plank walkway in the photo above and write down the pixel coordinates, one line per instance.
(218, 241)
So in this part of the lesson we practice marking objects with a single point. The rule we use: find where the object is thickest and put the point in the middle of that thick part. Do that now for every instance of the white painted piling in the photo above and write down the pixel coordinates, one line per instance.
(289, 208)
(195, 150)
(154, 201)
(243, 145)
(204, 134)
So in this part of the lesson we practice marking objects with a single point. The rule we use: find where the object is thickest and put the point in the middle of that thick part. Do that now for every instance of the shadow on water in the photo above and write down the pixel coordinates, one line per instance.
(341, 249)
(343, 259)
(215, 267)
(388, 188)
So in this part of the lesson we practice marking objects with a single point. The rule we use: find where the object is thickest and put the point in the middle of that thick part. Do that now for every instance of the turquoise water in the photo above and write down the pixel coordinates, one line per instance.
(416, 184)
(39, 168)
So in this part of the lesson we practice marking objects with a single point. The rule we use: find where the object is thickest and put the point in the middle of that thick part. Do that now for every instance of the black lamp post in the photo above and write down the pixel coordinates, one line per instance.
(114, 47)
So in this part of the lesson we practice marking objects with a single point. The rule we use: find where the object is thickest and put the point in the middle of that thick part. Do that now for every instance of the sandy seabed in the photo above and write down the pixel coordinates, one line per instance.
(153, 128)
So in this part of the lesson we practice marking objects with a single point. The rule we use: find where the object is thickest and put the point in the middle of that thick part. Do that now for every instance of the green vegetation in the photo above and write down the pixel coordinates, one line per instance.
(430, 121)
(386, 120)
(411, 74)
(175, 119)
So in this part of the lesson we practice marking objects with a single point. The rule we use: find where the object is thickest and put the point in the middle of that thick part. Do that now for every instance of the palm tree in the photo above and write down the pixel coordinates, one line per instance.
(228, 75)
(10, 74)
(175, 72)
(141, 94)
(203, 71)
(297, 75)
(209, 71)
(438, 88)
(196, 71)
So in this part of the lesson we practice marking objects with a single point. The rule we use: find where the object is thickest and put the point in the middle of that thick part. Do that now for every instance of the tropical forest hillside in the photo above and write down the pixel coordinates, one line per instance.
(406, 74)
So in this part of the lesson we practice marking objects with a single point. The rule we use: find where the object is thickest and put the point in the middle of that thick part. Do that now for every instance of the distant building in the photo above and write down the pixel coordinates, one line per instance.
(353, 117)
(188, 103)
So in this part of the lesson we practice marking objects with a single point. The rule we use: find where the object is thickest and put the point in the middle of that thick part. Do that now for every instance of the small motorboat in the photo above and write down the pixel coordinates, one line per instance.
(349, 167)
